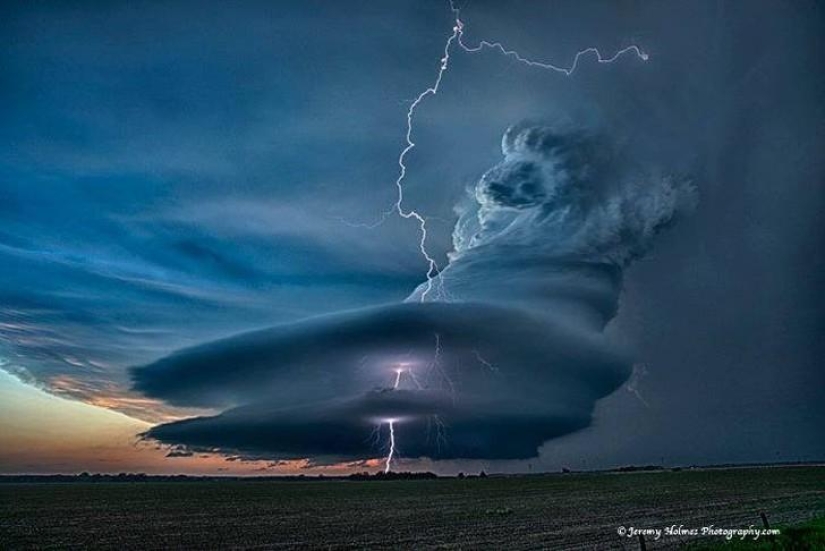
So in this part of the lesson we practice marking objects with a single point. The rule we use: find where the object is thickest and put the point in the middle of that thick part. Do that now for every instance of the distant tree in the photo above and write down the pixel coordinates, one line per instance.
(482, 474)
(460, 475)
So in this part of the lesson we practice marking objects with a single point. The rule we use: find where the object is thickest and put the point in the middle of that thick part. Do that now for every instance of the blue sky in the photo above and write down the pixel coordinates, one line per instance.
(171, 175)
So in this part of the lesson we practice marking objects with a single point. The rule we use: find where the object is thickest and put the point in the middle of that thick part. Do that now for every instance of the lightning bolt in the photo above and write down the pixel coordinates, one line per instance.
(566, 71)
(391, 453)
(400, 370)
(432, 267)
(639, 371)
(435, 365)
(484, 362)
(457, 37)
(391, 423)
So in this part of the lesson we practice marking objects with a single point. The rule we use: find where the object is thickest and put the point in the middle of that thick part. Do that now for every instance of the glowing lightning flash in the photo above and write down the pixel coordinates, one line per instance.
(391, 423)
(388, 464)
(401, 369)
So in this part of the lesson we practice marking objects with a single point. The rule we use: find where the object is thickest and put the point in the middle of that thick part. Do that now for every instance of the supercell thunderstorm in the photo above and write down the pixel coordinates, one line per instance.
(493, 354)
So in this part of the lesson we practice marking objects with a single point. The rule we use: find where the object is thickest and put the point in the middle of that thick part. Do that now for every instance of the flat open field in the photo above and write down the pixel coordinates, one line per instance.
(577, 511)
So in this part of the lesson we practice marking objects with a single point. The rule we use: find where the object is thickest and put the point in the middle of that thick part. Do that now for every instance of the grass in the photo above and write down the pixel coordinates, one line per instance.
(576, 511)
(803, 537)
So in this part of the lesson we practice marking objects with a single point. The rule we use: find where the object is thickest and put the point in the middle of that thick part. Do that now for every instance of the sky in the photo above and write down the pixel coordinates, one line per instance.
(197, 275)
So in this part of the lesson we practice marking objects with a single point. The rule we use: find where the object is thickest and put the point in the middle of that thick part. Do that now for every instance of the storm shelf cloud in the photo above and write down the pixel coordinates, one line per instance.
(500, 352)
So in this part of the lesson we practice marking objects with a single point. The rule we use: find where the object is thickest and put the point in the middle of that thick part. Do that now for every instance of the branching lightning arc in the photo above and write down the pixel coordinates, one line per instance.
(457, 38)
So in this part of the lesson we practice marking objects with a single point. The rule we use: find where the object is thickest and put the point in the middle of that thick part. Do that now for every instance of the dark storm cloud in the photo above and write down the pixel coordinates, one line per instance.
(166, 184)
(179, 453)
(504, 349)
(342, 431)
(510, 369)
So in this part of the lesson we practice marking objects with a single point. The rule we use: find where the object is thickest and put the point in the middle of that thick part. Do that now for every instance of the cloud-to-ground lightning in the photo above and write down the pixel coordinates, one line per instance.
(391, 453)
(404, 368)
(391, 423)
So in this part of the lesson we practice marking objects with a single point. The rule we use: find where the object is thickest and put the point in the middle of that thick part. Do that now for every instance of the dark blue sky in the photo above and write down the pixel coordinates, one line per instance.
(171, 174)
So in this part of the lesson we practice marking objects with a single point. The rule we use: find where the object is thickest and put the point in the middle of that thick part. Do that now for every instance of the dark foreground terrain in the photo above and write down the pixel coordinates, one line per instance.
(573, 511)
